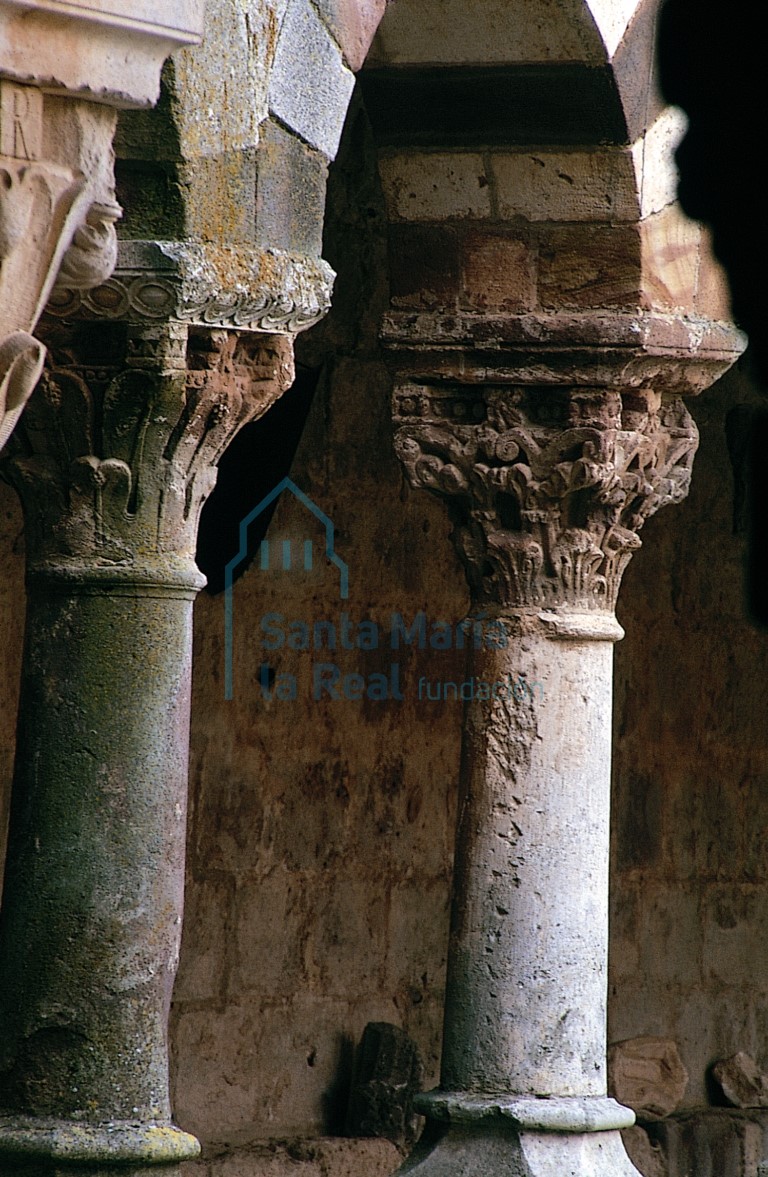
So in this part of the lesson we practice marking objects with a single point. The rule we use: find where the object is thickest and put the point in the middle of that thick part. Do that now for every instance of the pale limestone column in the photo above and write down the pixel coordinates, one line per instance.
(64, 70)
(113, 460)
(549, 467)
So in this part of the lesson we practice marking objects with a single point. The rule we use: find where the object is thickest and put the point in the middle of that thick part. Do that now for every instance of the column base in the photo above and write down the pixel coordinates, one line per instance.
(63, 1148)
(469, 1136)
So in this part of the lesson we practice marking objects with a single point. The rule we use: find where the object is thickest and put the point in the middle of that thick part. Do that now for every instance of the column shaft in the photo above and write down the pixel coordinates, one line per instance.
(94, 886)
(526, 992)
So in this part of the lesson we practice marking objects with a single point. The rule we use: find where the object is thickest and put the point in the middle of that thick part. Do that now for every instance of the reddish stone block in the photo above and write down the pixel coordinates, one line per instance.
(424, 266)
(353, 24)
(590, 266)
(498, 272)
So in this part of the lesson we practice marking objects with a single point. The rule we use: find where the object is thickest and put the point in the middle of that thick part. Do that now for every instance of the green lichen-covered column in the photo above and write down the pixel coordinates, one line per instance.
(113, 462)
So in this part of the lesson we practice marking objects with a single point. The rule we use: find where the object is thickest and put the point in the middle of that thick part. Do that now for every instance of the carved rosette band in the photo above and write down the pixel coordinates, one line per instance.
(251, 289)
(117, 450)
(548, 486)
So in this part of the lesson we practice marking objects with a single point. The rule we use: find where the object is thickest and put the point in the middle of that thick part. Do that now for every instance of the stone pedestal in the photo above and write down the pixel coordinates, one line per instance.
(113, 461)
(550, 462)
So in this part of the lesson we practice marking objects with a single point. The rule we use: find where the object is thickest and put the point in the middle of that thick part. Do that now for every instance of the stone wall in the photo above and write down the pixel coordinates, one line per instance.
(690, 915)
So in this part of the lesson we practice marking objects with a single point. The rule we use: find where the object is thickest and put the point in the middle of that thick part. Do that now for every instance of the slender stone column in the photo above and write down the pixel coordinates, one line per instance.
(548, 482)
(113, 460)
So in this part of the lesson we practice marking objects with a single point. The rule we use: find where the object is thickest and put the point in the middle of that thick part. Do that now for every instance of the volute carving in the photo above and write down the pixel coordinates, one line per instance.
(117, 450)
(548, 487)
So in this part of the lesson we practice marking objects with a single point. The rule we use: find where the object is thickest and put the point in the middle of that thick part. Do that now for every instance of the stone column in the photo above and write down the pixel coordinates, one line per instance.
(113, 460)
(550, 460)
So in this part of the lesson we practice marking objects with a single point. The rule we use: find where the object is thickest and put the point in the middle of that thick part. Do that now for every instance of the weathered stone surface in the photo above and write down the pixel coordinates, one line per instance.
(290, 192)
(436, 186)
(429, 31)
(486, 447)
(648, 1158)
(352, 23)
(318, 1157)
(310, 86)
(205, 284)
(388, 1073)
(590, 267)
(89, 48)
(742, 1082)
(113, 462)
(690, 919)
(720, 1141)
(566, 186)
(498, 272)
(647, 1075)
(57, 213)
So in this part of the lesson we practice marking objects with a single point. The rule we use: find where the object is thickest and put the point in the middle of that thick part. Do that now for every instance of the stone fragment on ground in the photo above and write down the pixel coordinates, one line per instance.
(742, 1082)
(388, 1073)
(647, 1075)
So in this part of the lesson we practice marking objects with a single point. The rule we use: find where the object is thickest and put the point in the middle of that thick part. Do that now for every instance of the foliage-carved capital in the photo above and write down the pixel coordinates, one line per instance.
(548, 487)
(117, 450)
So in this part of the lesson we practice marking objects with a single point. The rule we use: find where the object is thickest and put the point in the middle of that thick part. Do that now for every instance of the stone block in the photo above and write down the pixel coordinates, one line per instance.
(670, 244)
(353, 24)
(310, 87)
(713, 296)
(271, 916)
(742, 1082)
(648, 1158)
(97, 50)
(346, 942)
(260, 1067)
(436, 186)
(499, 273)
(566, 186)
(290, 192)
(647, 1075)
(417, 937)
(205, 940)
(388, 1073)
(219, 194)
(714, 1142)
(653, 157)
(439, 31)
(319, 1156)
(424, 266)
(588, 267)
(733, 940)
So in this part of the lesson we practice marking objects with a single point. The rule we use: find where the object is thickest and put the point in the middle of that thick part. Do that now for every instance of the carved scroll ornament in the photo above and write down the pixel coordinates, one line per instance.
(548, 488)
(114, 460)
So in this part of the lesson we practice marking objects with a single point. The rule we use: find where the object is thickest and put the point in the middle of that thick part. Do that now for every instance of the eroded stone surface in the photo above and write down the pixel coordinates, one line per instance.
(743, 1083)
(648, 1075)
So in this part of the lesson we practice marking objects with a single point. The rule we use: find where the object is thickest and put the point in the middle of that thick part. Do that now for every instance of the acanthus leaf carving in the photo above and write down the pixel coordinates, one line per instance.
(113, 462)
(550, 488)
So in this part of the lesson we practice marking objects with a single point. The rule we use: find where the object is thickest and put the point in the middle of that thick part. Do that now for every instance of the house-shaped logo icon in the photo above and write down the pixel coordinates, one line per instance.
(277, 555)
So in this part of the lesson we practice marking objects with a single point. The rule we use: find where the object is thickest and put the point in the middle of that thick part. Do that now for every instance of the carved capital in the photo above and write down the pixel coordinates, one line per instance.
(57, 209)
(117, 450)
(548, 486)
